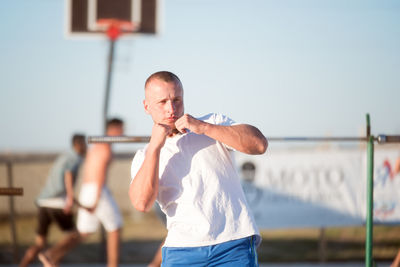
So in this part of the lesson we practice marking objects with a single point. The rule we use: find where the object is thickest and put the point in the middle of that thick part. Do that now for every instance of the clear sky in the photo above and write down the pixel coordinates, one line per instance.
(292, 67)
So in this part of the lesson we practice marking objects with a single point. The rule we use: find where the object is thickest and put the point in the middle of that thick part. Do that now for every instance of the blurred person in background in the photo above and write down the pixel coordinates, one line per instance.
(96, 204)
(56, 200)
(95, 194)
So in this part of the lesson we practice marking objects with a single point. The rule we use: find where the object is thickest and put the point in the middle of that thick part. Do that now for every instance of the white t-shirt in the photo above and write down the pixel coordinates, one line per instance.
(200, 190)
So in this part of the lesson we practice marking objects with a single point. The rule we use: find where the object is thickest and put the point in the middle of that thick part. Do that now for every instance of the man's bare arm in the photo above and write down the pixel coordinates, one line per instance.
(98, 159)
(144, 187)
(69, 187)
(242, 137)
(396, 168)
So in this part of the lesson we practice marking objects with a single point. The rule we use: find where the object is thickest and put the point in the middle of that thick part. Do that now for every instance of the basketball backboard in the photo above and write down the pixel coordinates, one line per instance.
(82, 16)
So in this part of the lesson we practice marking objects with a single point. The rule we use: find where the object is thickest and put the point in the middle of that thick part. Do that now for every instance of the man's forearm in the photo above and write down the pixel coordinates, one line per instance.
(69, 188)
(397, 166)
(100, 181)
(242, 137)
(144, 187)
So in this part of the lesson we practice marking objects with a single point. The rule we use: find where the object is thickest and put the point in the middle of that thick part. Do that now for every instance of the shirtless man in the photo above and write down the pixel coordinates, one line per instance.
(96, 195)
(96, 202)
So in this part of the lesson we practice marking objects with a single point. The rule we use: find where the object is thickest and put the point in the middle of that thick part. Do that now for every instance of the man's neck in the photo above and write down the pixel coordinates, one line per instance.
(174, 133)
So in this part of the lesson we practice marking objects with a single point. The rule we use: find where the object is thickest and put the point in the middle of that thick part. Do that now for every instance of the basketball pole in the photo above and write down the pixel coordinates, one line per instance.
(115, 28)
(110, 61)
(113, 32)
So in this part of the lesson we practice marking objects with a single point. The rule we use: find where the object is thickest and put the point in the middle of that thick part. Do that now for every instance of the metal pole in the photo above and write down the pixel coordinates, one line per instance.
(370, 201)
(118, 139)
(381, 139)
(12, 215)
(105, 118)
(145, 139)
(108, 81)
(318, 139)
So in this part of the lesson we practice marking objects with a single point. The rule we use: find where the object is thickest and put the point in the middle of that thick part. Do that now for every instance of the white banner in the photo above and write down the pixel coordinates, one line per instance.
(318, 188)
(386, 187)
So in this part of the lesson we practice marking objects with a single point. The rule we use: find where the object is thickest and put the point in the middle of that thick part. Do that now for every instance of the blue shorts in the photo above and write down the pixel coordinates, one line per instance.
(235, 253)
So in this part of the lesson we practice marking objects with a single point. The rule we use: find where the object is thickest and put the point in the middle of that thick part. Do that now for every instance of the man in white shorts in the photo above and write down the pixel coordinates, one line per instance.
(96, 202)
(187, 168)
(95, 195)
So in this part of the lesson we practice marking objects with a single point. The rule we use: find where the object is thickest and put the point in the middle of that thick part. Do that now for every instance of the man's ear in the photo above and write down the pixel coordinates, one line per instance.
(146, 106)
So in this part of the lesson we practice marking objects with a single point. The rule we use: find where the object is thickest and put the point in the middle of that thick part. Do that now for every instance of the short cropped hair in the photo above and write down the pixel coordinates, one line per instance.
(114, 122)
(165, 76)
(78, 138)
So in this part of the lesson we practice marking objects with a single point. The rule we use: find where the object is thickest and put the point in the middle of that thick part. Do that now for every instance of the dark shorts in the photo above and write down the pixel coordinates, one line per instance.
(49, 215)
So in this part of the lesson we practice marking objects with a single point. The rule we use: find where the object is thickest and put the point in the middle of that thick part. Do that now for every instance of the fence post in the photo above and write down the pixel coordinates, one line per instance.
(370, 200)
(12, 214)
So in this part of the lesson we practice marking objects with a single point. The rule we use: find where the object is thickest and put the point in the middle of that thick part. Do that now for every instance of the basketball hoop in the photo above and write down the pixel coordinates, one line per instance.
(115, 28)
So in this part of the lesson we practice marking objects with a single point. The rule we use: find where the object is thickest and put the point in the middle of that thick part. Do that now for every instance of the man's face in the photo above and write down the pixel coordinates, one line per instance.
(115, 130)
(80, 147)
(164, 102)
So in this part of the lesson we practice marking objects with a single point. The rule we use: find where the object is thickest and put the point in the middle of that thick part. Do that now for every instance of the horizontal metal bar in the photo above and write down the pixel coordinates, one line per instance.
(318, 139)
(11, 191)
(118, 139)
(145, 139)
(21, 158)
(388, 139)
(381, 139)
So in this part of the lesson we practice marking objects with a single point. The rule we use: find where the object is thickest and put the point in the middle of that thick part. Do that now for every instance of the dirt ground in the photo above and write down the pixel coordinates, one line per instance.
(142, 235)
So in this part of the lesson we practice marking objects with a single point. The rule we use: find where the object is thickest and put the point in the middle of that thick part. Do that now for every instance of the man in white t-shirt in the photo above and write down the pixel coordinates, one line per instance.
(187, 168)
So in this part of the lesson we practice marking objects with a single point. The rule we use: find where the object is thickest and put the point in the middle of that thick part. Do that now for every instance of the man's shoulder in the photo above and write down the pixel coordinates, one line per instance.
(216, 118)
(210, 117)
(66, 158)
